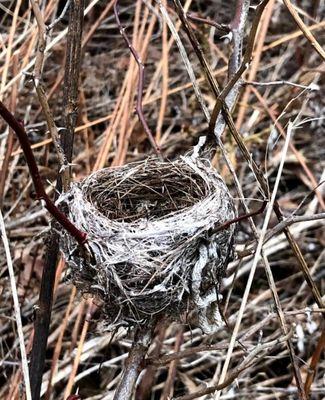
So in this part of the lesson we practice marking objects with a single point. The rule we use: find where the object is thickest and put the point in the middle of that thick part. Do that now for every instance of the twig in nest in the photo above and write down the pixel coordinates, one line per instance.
(139, 106)
(241, 218)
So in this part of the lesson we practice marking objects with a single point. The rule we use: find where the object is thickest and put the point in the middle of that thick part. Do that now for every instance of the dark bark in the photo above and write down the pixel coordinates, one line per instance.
(71, 77)
(43, 313)
(43, 316)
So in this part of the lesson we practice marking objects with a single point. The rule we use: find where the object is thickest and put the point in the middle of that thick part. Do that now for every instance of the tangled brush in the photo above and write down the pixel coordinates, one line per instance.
(151, 227)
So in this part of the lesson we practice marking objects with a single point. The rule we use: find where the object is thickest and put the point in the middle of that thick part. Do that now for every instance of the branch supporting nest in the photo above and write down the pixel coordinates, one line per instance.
(133, 363)
(152, 228)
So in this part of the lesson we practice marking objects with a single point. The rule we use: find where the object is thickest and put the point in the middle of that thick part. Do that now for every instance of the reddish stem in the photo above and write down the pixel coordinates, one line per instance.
(240, 218)
(80, 236)
(222, 29)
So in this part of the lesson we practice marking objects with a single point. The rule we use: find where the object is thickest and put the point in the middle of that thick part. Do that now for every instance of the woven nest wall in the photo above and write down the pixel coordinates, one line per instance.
(150, 226)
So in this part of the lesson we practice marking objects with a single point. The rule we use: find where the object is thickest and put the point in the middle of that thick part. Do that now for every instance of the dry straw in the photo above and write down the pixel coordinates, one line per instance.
(151, 227)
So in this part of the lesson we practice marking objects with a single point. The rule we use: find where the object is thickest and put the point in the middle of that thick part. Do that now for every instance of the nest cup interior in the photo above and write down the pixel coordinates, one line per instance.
(147, 193)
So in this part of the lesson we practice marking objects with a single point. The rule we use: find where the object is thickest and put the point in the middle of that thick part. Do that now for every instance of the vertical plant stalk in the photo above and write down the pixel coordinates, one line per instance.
(139, 106)
(41, 45)
(43, 313)
(37, 80)
(133, 363)
(71, 77)
(237, 63)
(164, 78)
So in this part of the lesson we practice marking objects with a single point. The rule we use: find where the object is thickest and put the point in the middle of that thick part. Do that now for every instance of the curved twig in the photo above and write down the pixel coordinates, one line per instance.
(80, 236)
(139, 107)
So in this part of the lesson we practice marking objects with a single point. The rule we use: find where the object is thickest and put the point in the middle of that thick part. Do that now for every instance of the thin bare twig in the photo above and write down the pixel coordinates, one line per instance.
(139, 106)
(292, 219)
(281, 83)
(186, 61)
(285, 223)
(60, 17)
(259, 350)
(222, 29)
(304, 29)
(197, 47)
(41, 45)
(240, 218)
(51, 126)
(24, 362)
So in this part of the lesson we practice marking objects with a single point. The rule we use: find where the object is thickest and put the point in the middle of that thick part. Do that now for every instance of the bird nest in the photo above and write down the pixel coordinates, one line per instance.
(152, 229)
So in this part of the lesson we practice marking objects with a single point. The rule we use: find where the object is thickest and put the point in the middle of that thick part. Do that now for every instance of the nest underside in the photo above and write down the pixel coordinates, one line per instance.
(151, 227)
